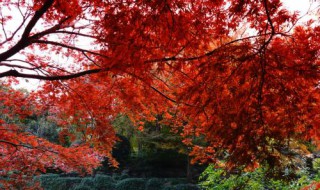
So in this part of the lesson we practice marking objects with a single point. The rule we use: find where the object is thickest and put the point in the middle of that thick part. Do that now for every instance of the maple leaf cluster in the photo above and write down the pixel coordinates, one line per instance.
(243, 74)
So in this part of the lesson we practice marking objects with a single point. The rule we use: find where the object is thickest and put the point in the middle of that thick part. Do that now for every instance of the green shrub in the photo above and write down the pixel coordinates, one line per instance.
(155, 184)
(83, 187)
(161, 183)
(116, 176)
(104, 182)
(44, 179)
(121, 151)
(215, 178)
(183, 187)
(160, 164)
(316, 164)
(61, 183)
(120, 177)
(169, 188)
(131, 184)
(123, 176)
(218, 179)
(187, 187)
(87, 181)
(47, 180)
(176, 181)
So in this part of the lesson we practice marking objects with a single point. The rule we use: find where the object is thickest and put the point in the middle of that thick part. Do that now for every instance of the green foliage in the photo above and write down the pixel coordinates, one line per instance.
(83, 187)
(87, 181)
(176, 181)
(156, 151)
(163, 183)
(46, 180)
(60, 183)
(118, 177)
(132, 184)
(154, 136)
(46, 176)
(155, 184)
(99, 182)
(299, 183)
(43, 127)
(104, 182)
(316, 164)
(122, 149)
(164, 163)
(218, 179)
(123, 126)
(183, 187)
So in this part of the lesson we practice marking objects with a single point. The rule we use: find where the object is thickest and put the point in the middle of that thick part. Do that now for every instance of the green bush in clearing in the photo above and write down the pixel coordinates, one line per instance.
(62, 183)
(176, 181)
(155, 184)
(124, 176)
(183, 187)
(161, 183)
(131, 183)
(187, 187)
(120, 177)
(104, 182)
(46, 180)
(83, 187)
(87, 181)
(47, 176)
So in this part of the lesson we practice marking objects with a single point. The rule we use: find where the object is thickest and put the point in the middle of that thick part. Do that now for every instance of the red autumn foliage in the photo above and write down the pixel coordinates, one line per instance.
(24, 155)
(242, 73)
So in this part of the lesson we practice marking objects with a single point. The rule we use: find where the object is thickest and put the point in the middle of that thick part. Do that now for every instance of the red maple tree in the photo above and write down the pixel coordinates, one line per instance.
(242, 73)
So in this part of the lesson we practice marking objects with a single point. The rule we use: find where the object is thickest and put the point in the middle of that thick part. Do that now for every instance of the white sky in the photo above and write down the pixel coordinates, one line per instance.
(301, 5)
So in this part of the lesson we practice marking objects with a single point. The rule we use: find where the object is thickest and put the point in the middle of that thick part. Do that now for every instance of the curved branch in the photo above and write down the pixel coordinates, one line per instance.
(212, 52)
(76, 34)
(39, 13)
(17, 66)
(68, 47)
(25, 41)
(265, 2)
(14, 73)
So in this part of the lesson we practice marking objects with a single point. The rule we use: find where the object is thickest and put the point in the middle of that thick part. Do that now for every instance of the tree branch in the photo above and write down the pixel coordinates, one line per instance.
(17, 66)
(14, 73)
(265, 2)
(24, 41)
(68, 47)
(38, 14)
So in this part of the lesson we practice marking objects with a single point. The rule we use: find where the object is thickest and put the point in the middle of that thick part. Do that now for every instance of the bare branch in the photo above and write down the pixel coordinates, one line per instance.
(95, 63)
(265, 2)
(77, 34)
(3, 29)
(25, 41)
(68, 47)
(38, 14)
(17, 66)
(14, 73)
(212, 52)
(51, 30)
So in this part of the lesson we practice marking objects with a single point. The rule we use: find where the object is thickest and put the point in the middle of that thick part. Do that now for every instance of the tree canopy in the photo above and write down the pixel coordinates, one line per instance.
(244, 74)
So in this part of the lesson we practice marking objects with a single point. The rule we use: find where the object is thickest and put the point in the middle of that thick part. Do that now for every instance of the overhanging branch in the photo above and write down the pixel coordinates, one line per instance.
(24, 41)
(14, 73)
